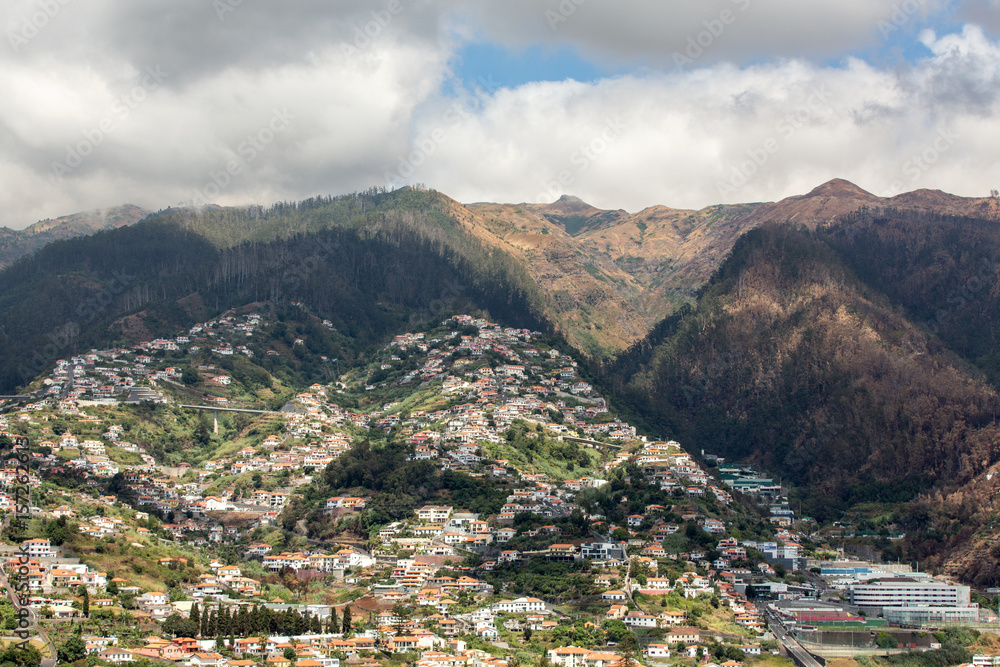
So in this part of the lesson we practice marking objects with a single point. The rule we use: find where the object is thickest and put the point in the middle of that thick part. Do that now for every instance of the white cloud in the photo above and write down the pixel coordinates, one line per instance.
(363, 84)
(705, 31)
(735, 134)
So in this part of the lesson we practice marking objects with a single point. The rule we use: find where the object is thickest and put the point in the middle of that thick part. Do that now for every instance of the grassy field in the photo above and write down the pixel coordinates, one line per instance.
(37, 643)
(831, 627)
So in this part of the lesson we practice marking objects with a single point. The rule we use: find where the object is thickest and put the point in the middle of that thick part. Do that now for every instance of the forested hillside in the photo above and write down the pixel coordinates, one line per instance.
(368, 275)
(790, 360)
(15, 243)
(944, 270)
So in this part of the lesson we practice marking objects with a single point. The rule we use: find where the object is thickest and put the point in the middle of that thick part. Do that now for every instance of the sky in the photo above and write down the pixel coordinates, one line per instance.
(624, 103)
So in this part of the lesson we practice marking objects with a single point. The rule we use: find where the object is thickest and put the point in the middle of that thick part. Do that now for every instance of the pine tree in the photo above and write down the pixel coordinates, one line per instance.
(256, 625)
(223, 621)
(333, 624)
(346, 624)
(628, 649)
(86, 601)
(195, 615)
(242, 623)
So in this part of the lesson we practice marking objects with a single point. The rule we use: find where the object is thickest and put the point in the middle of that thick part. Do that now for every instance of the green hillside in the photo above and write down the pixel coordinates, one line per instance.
(368, 263)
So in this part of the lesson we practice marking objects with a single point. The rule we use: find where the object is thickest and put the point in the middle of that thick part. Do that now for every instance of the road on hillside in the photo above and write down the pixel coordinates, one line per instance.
(792, 647)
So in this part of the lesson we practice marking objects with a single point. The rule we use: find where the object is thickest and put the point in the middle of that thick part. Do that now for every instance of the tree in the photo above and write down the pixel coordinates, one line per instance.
(202, 432)
(189, 376)
(615, 629)
(402, 614)
(179, 626)
(195, 616)
(56, 531)
(527, 634)
(289, 654)
(346, 623)
(29, 657)
(628, 649)
(333, 625)
(71, 650)
(85, 604)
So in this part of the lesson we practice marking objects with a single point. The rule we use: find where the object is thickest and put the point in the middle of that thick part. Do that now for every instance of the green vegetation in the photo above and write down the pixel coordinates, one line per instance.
(366, 262)
(395, 486)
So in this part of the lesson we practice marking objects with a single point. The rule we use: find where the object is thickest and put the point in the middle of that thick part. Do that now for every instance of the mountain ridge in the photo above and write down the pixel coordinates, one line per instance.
(803, 347)
(15, 243)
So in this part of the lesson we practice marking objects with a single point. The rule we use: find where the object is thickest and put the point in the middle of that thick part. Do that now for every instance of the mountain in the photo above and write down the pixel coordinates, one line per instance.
(843, 341)
(944, 271)
(790, 361)
(576, 216)
(368, 263)
(836, 198)
(15, 243)
(608, 276)
(807, 354)
(602, 278)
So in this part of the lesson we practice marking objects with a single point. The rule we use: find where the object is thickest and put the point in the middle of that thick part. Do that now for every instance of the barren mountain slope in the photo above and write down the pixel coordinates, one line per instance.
(613, 275)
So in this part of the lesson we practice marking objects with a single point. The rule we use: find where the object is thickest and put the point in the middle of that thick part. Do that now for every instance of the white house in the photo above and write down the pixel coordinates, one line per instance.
(39, 548)
(658, 651)
(639, 620)
(519, 606)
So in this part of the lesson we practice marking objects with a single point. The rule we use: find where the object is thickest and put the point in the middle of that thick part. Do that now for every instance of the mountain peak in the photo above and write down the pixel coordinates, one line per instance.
(839, 187)
(568, 205)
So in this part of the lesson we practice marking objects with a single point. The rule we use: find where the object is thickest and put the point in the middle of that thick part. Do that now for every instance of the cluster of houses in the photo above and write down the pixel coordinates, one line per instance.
(491, 379)
(132, 374)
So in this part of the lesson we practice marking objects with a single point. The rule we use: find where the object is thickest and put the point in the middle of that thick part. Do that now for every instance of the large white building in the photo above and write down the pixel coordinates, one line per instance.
(927, 614)
(39, 548)
(434, 514)
(907, 591)
(640, 620)
(519, 606)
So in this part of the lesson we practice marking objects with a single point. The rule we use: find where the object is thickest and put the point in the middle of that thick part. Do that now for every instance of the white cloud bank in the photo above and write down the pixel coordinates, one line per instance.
(240, 102)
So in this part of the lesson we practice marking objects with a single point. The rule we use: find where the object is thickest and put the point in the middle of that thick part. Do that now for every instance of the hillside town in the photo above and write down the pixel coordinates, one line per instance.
(214, 568)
